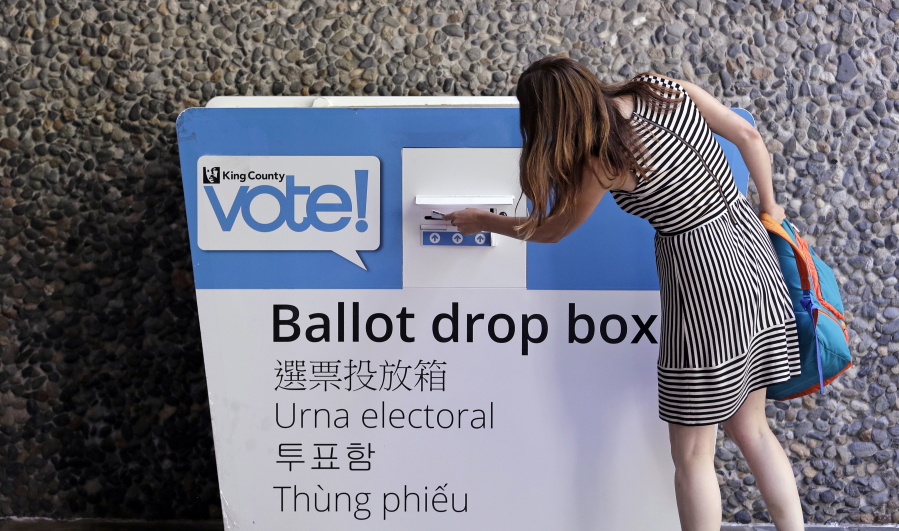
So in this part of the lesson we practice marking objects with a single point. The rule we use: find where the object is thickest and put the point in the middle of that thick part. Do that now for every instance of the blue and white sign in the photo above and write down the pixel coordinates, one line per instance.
(370, 368)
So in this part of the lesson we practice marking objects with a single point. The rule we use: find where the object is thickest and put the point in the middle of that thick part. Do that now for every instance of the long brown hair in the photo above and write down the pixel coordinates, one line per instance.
(568, 116)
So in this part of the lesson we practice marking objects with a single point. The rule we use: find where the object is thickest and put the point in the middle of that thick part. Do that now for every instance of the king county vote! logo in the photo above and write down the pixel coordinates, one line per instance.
(289, 204)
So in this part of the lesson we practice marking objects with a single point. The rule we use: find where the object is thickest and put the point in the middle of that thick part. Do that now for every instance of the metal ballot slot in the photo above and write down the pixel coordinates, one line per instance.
(438, 181)
(437, 231)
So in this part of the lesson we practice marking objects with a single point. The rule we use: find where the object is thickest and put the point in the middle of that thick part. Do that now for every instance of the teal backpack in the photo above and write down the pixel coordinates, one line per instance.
(823, 337)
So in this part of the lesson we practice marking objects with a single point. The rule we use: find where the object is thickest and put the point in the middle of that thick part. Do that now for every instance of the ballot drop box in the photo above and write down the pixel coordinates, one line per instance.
(370, 367)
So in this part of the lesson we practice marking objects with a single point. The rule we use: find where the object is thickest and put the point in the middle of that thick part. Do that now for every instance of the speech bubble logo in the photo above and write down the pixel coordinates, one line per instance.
(289, 204)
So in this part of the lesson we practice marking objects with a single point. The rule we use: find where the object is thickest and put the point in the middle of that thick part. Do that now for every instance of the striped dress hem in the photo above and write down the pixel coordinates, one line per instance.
(704, 397)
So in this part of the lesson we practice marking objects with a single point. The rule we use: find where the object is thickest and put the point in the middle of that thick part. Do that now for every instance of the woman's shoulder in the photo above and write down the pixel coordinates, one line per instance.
(658, 79)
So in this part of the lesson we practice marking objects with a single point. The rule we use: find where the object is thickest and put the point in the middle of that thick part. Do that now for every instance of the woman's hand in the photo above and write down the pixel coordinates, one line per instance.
(468, 221)
(776, 212)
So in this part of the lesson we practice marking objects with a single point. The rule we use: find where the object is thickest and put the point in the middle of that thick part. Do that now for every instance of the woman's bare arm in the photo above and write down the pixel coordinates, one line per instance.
(473, 220)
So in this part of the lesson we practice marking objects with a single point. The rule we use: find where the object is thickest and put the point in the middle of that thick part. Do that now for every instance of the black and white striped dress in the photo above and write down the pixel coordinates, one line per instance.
(727, 320)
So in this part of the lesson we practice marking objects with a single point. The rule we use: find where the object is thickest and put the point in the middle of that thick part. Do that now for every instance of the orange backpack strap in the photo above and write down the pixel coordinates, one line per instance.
(799, 253)
(817, 284)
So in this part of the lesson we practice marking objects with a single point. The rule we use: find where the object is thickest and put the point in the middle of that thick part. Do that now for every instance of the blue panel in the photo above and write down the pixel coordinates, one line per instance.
(325, 132)
(612, 250)
(741, 174)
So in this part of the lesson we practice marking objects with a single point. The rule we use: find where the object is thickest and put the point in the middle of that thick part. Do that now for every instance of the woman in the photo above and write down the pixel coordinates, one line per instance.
(727, 323)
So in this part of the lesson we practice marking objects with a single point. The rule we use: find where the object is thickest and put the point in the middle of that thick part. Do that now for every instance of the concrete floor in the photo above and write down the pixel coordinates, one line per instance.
(769, 527)
(36, 524)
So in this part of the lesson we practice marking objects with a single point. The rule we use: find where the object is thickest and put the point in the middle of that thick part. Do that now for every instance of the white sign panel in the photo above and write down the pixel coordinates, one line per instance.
(437, 409)
(438, 386)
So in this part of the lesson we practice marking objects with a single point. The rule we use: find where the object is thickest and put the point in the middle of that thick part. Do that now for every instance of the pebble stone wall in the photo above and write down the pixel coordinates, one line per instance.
(103, 405)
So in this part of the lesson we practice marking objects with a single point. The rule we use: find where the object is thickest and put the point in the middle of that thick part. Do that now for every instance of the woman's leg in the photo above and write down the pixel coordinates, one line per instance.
(748, 428)
(695, 483)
